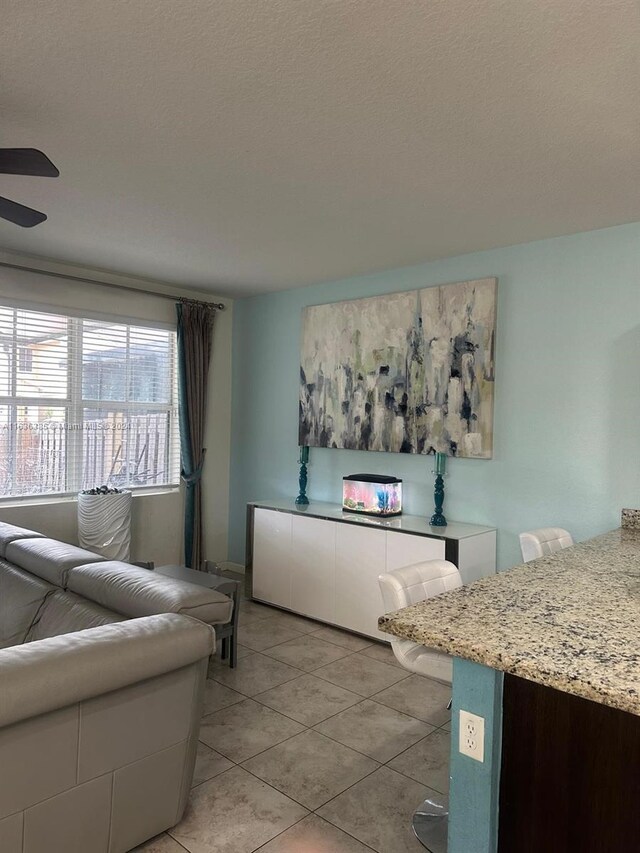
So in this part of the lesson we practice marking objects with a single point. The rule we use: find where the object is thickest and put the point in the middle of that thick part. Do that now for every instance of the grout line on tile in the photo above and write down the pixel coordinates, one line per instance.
(339, 742)
(333, 643)
(276, 611)
(313, 727)
(352, 689)
(312, 671)
(377, 701)
(273, 787)
(167, 832)
(274, 646)
(262, 751)
(313, 811)
(412, 779)
(262, 846)
(406, 775)
(348, 788)
(271, 660)
(342, 829)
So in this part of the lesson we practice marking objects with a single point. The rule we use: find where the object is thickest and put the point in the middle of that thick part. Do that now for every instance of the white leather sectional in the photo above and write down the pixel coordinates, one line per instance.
(102, 674)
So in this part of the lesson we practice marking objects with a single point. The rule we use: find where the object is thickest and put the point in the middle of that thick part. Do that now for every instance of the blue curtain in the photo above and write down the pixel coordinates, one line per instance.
(195, 337)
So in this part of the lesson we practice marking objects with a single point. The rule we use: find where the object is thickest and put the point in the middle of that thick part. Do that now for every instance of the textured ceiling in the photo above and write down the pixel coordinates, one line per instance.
(254, 145)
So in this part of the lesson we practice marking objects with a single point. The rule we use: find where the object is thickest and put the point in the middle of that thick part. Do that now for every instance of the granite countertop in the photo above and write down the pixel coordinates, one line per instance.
(569, 621)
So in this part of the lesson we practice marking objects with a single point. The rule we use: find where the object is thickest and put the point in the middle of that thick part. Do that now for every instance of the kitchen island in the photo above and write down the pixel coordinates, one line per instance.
(549, 654)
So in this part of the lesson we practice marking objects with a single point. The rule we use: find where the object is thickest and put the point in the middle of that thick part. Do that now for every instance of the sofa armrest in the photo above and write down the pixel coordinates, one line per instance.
(45, 675)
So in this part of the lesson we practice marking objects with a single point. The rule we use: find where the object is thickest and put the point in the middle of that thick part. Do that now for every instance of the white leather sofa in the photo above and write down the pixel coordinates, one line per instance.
(102, 674)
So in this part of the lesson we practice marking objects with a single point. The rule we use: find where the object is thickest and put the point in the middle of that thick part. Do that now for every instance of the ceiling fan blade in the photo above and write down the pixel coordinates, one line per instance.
(27, 217)
(26, 161)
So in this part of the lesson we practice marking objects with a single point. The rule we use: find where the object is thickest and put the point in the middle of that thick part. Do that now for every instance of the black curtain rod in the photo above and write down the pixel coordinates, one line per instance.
(219, 306)
(216, 306)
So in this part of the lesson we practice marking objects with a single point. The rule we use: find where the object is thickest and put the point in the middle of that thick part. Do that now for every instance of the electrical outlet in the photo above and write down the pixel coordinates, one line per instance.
(471, 739)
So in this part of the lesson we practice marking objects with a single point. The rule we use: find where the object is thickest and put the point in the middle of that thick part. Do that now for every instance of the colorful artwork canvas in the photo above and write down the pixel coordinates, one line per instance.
(409, 372)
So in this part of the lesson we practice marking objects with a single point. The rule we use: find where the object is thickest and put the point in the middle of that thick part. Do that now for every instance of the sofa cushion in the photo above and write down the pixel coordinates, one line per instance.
(9, 532)
(138, 592)
(64, 612)
(48, 558)
(21, 597)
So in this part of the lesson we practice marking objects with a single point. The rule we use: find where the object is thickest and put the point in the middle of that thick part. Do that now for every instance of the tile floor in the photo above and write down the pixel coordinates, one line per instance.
(317, 741)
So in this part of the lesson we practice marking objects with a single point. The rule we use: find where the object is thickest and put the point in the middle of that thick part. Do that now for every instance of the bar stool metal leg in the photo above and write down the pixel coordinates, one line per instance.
(431, 823)
(431, 820)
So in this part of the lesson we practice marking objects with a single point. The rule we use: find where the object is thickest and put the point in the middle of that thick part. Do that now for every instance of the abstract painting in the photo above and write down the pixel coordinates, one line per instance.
(409, 372)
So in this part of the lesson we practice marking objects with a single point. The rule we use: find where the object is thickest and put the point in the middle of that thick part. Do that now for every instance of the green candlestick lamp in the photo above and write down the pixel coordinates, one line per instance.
(302, 499)
(438, 519)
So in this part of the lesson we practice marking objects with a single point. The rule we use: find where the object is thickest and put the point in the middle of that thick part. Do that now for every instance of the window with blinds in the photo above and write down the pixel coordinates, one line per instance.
(85, 402)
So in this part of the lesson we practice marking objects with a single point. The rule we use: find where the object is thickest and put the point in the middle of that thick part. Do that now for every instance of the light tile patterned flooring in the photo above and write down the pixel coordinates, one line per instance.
(317, 741)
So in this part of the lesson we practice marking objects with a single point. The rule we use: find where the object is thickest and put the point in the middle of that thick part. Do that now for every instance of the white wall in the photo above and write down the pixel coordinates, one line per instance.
(157, 518)
(155, 529)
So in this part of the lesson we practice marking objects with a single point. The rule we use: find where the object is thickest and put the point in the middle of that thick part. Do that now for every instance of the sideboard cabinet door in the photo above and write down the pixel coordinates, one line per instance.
(477, 556)
(405, 550)
(360, 558)
(272, 556)
(313, 567)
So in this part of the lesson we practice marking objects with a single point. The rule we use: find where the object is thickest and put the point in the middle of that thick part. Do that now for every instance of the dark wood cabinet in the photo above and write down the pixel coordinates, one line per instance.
(570, 778)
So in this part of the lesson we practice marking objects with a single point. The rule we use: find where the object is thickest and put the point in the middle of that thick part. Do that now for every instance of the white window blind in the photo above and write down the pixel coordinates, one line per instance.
(85, 402)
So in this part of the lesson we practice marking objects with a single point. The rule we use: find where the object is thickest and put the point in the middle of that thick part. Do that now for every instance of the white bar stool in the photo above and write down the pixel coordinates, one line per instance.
(402, 588)
(543, 541)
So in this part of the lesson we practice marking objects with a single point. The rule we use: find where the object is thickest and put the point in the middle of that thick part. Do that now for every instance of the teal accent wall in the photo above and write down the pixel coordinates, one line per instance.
(475, 786)
(567, 408)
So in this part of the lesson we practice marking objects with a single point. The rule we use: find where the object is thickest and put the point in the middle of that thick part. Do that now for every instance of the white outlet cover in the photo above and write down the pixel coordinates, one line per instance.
(471, 735)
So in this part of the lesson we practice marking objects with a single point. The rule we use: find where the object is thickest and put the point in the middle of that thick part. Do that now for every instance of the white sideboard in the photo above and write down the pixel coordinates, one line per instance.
(323, 563)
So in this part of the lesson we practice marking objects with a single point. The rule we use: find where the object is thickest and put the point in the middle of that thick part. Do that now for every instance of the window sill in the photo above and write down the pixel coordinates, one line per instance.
(47, 500)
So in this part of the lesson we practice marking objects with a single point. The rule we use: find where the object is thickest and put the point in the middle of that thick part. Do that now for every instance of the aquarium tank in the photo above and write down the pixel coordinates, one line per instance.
(372, 494)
